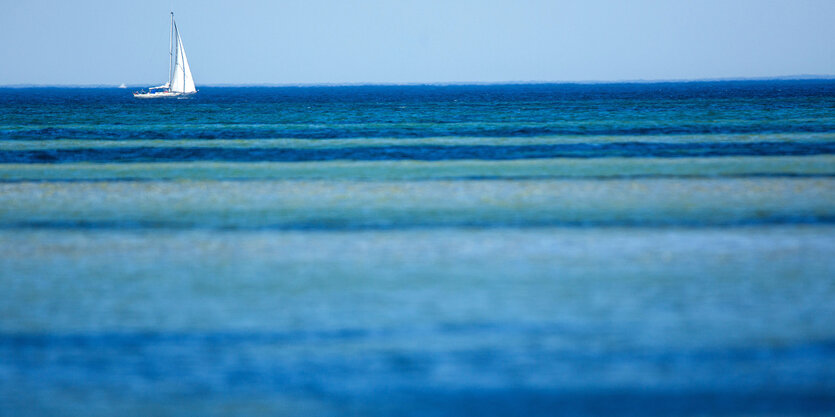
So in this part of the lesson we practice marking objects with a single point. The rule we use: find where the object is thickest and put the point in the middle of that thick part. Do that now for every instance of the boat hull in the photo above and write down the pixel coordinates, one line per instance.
(164, 94)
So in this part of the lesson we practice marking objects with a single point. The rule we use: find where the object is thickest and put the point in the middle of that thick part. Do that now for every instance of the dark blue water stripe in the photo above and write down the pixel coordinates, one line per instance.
(129, 339)
(113, 342)
(371, 222)
(432, 130)
(411, 178)
(422, 153)
(219, 363)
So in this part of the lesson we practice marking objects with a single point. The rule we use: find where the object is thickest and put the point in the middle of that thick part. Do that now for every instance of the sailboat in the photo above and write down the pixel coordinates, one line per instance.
(180, 81)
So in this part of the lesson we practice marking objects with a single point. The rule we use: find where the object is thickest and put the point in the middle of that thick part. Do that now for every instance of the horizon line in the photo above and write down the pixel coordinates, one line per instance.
(799, 77)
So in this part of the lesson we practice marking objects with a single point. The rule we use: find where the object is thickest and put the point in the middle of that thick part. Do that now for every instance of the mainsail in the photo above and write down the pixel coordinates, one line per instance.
(180, 80)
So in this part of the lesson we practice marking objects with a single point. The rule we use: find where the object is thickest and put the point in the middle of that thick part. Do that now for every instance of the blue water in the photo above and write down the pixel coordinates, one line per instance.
(583, 250)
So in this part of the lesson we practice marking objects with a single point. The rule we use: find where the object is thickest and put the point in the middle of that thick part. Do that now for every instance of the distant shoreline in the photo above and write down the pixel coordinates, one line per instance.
(456, 83)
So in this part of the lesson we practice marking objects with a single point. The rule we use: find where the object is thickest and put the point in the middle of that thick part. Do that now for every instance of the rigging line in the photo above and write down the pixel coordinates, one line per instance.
(170, 51)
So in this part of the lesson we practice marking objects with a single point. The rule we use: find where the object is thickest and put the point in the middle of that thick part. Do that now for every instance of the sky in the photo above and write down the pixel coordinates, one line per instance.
(107, 42)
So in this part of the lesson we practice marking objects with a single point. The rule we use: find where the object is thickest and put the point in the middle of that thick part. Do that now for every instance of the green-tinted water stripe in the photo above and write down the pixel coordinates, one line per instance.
(819, 165)
(15, 145)
(345, 204)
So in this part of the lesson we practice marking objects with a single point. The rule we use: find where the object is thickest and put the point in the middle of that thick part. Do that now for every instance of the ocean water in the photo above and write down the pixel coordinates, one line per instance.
(581, 250)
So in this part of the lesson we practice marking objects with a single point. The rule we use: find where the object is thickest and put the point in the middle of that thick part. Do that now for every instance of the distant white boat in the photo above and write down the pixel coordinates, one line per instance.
(180, 81)
(122, 85)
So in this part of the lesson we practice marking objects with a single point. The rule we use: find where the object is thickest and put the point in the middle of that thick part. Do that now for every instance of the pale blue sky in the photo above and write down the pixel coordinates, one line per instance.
(400, 41)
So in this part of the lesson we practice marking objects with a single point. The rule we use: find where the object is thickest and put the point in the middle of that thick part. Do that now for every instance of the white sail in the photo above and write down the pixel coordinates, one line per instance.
(181, 80)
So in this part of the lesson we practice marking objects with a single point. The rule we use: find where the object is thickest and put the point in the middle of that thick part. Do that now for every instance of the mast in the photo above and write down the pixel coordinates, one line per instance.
(171, 53)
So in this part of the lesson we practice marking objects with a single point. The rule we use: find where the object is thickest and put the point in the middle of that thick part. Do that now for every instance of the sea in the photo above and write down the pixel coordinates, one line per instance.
(626, 249)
